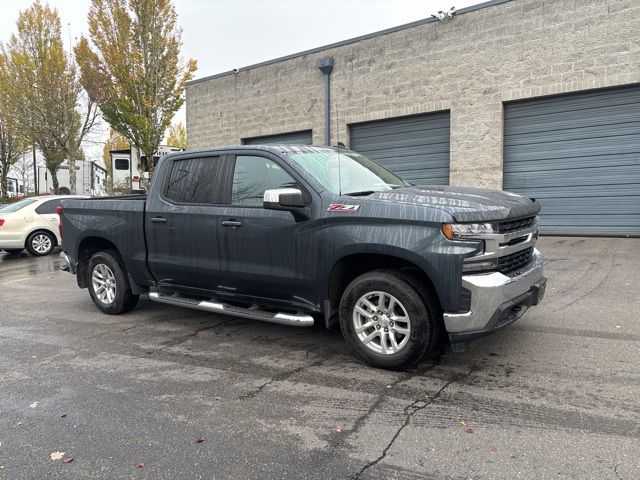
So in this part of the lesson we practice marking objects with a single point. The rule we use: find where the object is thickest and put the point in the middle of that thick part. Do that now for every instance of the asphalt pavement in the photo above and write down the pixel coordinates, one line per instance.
(555, 395)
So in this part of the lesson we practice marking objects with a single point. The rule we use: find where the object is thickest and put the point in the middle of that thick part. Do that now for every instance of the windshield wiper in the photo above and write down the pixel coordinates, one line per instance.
(363, 193)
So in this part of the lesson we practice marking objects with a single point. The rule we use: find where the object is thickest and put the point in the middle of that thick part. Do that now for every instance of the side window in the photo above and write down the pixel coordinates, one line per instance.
(253, 175)
(121, 164)
(193, 180)
(48, 207)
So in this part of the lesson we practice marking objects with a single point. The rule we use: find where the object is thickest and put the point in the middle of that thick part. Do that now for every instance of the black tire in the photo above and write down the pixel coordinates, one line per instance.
(421, 308)
(13, 251)
(64, 191)
(36, 242)
(123, 300)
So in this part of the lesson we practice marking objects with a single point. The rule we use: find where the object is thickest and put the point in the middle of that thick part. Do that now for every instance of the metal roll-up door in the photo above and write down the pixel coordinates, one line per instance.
(579, 156)
(416, 148)
(293, 138)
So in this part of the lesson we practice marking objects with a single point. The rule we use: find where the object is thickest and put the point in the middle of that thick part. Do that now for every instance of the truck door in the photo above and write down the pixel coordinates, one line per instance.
(182, 224)
(263, 252)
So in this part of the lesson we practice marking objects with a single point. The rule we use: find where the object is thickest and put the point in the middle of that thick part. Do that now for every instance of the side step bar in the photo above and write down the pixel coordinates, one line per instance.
(299, 320)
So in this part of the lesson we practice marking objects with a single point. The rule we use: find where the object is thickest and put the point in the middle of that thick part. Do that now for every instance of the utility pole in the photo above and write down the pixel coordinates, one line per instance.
(35, 171)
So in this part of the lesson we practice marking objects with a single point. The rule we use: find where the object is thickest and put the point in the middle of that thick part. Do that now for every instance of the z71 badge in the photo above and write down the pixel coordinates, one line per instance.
(340, 207)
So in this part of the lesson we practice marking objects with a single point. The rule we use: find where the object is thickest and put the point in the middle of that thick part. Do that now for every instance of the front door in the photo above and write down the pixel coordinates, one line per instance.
(263, 251)
(183, 225)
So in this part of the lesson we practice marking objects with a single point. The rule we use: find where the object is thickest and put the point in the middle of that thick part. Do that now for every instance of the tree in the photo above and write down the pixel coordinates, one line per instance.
(49, 103)
(114, 142)
(12, 143)
(177, 136)
(131, 67)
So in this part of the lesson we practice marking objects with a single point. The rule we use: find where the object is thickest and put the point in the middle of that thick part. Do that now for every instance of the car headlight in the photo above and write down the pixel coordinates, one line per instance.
(461, 230)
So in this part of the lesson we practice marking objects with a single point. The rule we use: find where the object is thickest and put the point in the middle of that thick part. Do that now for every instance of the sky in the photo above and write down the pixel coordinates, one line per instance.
(226, 34)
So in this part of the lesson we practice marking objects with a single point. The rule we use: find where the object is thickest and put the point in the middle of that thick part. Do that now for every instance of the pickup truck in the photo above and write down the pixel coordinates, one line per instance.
(296, 235)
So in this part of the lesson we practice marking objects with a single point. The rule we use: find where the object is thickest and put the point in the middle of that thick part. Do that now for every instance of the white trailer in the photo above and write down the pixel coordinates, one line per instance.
(15, 187)
(126, 175)
(91, 179)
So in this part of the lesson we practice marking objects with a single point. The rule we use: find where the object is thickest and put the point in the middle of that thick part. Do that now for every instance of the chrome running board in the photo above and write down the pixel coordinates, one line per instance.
(253, 313)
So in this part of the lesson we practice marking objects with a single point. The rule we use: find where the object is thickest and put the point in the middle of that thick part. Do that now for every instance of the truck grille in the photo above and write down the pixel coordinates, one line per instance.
(514, 262)
(513, 225)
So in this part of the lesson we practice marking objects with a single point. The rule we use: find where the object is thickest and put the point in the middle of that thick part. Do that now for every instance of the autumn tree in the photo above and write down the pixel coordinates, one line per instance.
(177, 136)
(49, 103)
(12, 143)
(114, 142)
(131, 66)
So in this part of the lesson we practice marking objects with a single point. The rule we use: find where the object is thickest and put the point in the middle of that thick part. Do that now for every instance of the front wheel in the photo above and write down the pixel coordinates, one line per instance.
(40, 243)
(108, 284)
(388, 319)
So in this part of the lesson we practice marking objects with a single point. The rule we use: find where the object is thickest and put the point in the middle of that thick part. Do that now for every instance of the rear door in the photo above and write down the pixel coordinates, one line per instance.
(48, 215)
(182, 224)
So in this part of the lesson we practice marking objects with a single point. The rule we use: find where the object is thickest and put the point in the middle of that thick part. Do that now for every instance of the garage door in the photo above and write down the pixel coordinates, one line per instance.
(579, 155)
(416, 147)
(293, 138)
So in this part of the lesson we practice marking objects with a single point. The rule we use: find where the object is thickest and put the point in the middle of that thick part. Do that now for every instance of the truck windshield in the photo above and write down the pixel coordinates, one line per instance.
(14, 207)
(347, 172)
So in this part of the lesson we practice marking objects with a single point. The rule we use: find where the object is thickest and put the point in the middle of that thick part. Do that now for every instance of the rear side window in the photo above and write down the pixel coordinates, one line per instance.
(18, 205)
(194, 180)
(122, 164)
(253, 175)
(48, 207)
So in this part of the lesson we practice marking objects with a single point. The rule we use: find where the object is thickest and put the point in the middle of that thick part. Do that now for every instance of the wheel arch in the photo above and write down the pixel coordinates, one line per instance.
(42, 229)
(87, 247)
(353, 264)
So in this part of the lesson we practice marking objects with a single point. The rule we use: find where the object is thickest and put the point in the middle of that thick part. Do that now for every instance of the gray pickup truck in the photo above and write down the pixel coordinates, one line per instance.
(296, 235)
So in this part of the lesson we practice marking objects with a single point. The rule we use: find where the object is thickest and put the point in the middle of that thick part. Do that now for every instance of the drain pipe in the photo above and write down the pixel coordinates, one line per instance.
(325, 65)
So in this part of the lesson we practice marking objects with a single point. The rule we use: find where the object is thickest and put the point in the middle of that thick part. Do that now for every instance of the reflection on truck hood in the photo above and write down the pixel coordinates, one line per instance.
(464, 204)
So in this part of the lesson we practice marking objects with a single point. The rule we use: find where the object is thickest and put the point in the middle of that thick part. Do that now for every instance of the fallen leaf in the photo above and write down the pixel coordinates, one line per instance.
(63, 414)
(493, 449)
(468, 430)
(34, 405)
(139, 465)
(57, 455)
(200, 439)
(193, 334)
(337, 428)
(230, 369)
(462, 424)
(1, 467)
(67, 459)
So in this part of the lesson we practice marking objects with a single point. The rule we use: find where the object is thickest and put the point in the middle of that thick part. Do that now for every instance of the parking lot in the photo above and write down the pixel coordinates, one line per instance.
(555, 395)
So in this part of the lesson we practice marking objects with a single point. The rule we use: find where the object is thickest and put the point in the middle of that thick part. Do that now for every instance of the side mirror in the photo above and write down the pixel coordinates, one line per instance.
(287, 199)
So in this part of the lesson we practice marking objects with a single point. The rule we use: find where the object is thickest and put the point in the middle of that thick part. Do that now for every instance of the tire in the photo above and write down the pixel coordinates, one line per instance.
(411, 301)
(116, 297)
(41, 243)
(64, 191)
(13, 251)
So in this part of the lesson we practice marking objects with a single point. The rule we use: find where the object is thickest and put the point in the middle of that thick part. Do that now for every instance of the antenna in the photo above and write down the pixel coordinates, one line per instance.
(338, 146)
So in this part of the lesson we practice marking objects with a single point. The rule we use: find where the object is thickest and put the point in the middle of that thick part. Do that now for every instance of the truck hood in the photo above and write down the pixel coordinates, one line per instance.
(464, 204)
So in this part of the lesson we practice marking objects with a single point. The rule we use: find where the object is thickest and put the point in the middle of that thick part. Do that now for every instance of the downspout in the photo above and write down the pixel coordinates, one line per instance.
(325, 65)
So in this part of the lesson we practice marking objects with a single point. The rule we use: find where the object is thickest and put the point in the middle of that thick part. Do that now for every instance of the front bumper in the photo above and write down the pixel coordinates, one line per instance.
(496, 301)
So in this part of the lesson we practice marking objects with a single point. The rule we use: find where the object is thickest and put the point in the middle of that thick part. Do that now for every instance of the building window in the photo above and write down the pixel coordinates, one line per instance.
(122, 164)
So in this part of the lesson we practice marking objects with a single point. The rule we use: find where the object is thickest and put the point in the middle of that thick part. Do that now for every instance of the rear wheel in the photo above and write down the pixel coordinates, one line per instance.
(40, 243)
(108, 284)
(388, 319)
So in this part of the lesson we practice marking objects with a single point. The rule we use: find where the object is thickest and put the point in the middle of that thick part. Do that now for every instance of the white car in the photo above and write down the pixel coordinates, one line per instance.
(31, 223)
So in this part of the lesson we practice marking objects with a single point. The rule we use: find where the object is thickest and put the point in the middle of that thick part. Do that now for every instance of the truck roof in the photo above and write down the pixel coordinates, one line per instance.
(277, 148)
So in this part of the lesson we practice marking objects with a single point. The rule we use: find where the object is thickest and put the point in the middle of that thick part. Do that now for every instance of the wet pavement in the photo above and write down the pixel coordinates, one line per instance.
(555, 395)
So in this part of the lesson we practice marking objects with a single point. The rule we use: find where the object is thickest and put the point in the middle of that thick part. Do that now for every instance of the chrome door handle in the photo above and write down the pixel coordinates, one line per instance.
(231, 223)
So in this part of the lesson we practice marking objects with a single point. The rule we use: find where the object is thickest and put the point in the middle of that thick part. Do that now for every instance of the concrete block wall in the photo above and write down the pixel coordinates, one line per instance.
(470, 65)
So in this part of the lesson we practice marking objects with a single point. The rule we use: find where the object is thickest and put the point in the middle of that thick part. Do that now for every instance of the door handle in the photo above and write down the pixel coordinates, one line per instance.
(231, 223)
(158, 220)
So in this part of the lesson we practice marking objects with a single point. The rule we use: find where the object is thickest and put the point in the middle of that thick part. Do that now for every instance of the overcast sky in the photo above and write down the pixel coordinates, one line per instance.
(225, 34)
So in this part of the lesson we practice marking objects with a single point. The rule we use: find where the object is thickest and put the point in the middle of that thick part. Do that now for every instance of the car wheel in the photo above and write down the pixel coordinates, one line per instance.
(13, 251)
(108, 284)
(389, 320)
(40, 243)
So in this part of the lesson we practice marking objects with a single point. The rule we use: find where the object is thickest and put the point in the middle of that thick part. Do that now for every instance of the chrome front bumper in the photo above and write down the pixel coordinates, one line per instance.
(492, 294)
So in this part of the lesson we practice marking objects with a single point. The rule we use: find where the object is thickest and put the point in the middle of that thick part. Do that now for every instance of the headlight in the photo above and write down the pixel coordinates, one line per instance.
(460, 230)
